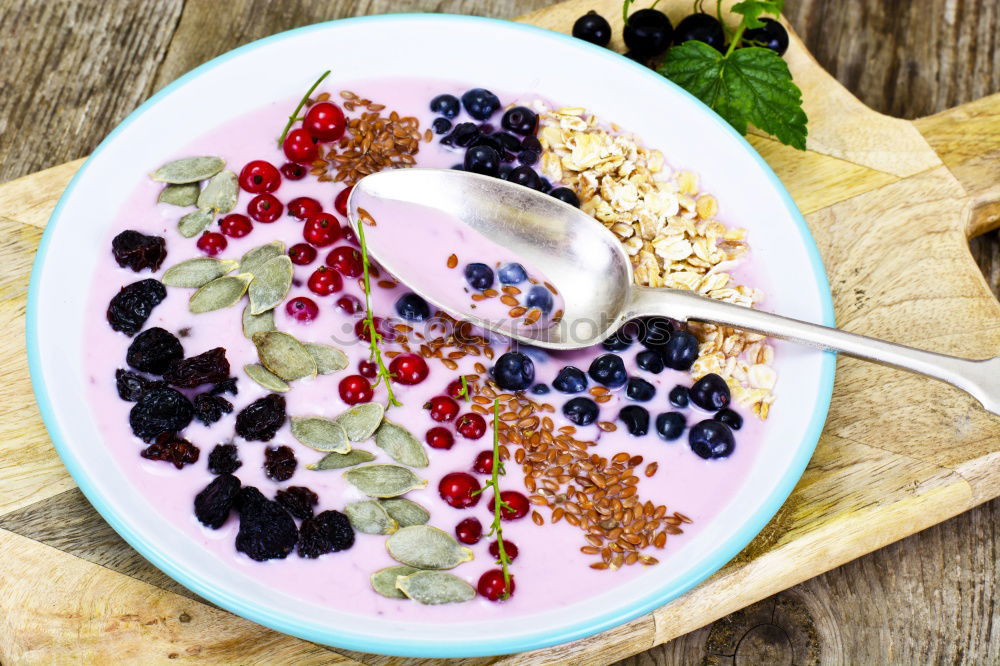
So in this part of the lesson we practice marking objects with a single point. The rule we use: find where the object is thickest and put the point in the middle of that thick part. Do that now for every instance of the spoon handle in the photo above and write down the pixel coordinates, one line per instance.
(981, 379)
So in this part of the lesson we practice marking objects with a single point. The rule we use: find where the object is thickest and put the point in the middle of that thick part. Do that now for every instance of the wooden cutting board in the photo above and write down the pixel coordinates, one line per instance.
(891, 204)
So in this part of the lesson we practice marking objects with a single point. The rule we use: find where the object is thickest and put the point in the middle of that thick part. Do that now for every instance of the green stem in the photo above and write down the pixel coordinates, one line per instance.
(292, 118)
(375, 353)
(498, 504)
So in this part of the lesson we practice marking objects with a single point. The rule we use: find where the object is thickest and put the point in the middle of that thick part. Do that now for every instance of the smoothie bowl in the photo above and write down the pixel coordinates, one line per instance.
(272, 419)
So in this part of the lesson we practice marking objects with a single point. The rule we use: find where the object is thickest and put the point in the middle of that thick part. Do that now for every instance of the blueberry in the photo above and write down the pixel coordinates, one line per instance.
(539, 297)
(412, 307)
(679, 396)
(650, 361)
(570, 380)
(524, 175)
(772, 36)
(512, 273)
(670, 425)
(711, 439)
(505, 170)
(527, 157)
(648, 32)
(608, 370)
(441, 125)
(593, 28)
(639, 389)
(711, 393)
(480, 103)
(446, 105)
(636, 420)
(479, 276)
(486, 128)
(581, 411)
(655, 332)
(463, 136)
(620, 340)
(681, 351)
(482, 159)
(509, 142)
(701, 27)
(566, 195)
(514, 371)
(457, 167)
(531, 142)
(520, 120)
(540, 389)
(730, 418)
(487, 140)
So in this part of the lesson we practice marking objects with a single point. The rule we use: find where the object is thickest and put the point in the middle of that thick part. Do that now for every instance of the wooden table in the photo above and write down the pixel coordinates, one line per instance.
(71, 70)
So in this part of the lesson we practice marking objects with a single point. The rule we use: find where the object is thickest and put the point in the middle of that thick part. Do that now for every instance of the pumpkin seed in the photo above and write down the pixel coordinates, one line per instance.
(400, 444)
(370, 518)
(361, 422)
(263, 377)
(384, 580)
(284, 355)
(220, 193)
(341, 460)
(320, 434)
(328, 358)
(426, 547)
(434, 587)
(219, 293)
(188, 170)
(197, 272)
(258, 256)
(270, 285)
(179, 195)
(261, 323)
(384, 480)
(406, 512)
(194, 223)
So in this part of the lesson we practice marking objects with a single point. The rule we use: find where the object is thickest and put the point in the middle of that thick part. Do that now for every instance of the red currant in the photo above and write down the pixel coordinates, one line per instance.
(469, 531)
(483, 462)
(259, 176)
(517, 502)
(367, 368)
(492, 585)
(509, 549)
(302, 309)
(211, 243)
(293, 171)
(322, 229)
(439, 438)
(361, 329)
(300, 146)
(351, 237)
(409, 369)
(457, 490)
(349, 305)
(235, 225)
(355, 389)
(442, 408)
(340, 203)
(302, 207)
(265, 208)
(471, 425)
(325, 121)
(325, 281)
(454, 390)
(302, 254)
(347, 260)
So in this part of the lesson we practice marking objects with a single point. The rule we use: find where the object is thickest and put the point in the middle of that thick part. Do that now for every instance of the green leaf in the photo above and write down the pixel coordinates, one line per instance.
(752, 9)
(750, 85)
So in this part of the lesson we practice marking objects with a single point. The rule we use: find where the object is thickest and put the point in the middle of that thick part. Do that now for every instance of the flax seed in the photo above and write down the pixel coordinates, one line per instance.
(558, 514)
(511, 290)
(480, 368)
(635, 461)
(607, 426)
(452, 261)
(682, 517)
(537, 518)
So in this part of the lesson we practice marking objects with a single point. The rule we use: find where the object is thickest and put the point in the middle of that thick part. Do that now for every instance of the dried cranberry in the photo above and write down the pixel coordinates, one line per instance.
(224, 459)
(260, 420)
(130, 385)
(131, 307)
(213, 504)
(158, 411)
(267, 532)
(279, 462)
(298, 500)
(205, 368)
(170, 448)
(327, 532)
(225, 386)
(138, 251)
(209, 408)
(154, 350)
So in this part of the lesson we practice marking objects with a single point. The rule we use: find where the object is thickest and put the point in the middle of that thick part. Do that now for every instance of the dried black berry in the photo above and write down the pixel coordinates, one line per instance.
(209, 408)
(260, 420)
(328, 532)
(138, 251)
(158, 411)
(130, 385)
(225, 386)
(131, 307)
(213, 503)
(266, 530)
(248, 495)
(205, 368)
(279, 462)
(299, 501)
(154, 350)
(170, 448)
(224, 459)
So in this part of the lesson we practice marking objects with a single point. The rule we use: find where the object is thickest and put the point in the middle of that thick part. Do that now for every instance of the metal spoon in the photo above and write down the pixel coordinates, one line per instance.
(589, 268)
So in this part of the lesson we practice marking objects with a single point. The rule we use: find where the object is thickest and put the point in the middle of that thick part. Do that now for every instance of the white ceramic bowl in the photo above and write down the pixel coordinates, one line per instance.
(787, 264)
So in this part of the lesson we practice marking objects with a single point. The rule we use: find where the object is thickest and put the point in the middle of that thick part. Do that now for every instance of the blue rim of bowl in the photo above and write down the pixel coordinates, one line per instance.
(408, 646)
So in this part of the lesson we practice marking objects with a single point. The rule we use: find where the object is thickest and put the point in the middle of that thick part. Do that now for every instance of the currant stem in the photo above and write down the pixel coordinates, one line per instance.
(292, 118)
(375, 354)
(498, 503)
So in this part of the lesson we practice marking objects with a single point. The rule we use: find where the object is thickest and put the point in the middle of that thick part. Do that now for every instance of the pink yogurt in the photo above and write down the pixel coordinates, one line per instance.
(550, 570)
